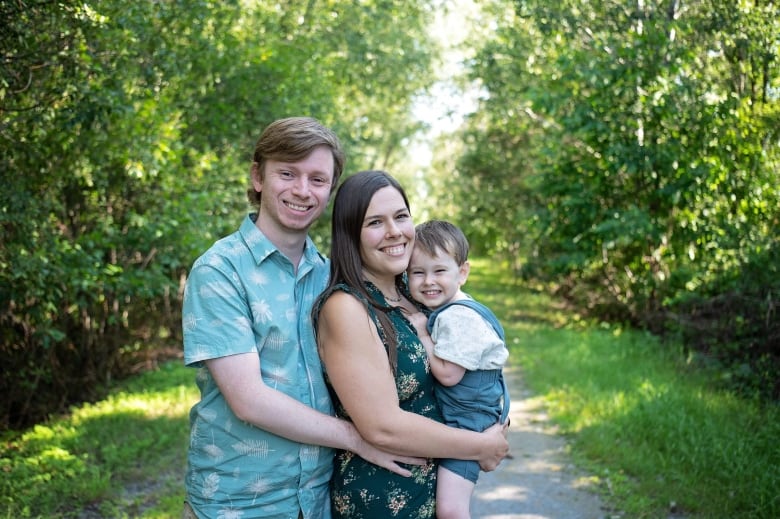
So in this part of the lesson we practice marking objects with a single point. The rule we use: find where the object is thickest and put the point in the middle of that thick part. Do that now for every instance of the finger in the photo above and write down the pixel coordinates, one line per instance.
(401, 471)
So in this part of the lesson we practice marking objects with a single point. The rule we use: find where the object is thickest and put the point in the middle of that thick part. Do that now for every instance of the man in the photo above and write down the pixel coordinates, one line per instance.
(261, 436)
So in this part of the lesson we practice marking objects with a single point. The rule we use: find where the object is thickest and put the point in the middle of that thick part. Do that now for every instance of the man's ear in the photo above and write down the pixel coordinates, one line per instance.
(256, 175)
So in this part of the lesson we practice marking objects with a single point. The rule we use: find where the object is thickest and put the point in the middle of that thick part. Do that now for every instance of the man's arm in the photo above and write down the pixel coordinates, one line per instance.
(251, 400)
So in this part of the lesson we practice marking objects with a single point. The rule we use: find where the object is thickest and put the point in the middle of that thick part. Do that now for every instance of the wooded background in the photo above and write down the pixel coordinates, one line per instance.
(622, 154)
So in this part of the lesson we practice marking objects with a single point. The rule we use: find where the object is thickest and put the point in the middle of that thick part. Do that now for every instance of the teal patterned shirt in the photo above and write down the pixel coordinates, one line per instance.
(244, 296)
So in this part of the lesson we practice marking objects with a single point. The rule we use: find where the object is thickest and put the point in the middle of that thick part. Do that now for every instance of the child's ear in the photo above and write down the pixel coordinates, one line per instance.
(464, 270)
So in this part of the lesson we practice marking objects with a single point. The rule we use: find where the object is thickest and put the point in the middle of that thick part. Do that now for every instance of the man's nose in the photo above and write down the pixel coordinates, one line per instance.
(301, 186)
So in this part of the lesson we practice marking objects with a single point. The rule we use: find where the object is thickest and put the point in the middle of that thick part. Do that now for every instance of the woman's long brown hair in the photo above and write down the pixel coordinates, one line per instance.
(346, 266)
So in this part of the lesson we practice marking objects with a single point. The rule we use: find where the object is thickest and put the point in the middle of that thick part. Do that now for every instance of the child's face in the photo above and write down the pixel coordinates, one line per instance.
(435, 280)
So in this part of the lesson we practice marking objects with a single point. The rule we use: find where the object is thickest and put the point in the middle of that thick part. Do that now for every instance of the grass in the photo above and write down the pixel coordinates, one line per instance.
(121, 457)
(658, 436)
(655, 434)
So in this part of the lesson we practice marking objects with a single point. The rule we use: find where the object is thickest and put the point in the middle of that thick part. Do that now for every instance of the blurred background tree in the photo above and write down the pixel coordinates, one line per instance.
(125, 137)
(629, 154)
(624, 156)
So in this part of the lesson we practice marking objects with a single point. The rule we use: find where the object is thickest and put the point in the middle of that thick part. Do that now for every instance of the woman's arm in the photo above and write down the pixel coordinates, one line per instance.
(254, 402)
(358, 368)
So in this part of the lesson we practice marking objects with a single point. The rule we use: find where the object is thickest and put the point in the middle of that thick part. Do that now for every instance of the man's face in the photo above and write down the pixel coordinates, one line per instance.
(293, 194)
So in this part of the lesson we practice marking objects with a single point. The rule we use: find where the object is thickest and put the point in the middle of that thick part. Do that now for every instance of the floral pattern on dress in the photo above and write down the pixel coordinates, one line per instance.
(362, 490)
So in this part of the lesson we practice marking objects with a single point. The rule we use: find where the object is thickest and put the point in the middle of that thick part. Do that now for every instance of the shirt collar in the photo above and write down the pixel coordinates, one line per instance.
(262, 248)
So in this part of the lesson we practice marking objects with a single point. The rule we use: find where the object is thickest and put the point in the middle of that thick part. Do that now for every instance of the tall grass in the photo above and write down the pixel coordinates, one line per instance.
(121, 457)
(658, 435)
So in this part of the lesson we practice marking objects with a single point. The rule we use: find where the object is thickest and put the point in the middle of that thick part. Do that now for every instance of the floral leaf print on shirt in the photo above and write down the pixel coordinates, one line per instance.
(261, 311)
(255, 448)
(258, 485)
(214, 452)
(230, 513)
(210, 485)
(276, 340)
(189, 322)
(279, 376)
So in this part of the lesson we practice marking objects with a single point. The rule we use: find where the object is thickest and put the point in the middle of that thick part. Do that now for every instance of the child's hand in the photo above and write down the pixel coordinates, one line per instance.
(420, 322)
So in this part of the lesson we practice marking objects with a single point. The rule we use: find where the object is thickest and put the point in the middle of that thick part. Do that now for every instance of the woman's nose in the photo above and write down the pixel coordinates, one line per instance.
(392, 229)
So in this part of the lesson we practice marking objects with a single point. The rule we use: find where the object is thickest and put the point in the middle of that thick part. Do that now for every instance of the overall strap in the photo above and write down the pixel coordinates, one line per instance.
(490, 317)
(483, 310)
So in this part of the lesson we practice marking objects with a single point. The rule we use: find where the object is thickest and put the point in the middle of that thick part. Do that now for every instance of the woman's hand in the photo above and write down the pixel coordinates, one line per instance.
(496, 435)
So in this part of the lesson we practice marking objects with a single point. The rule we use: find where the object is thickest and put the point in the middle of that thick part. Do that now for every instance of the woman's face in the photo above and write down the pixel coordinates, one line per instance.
(386, 235)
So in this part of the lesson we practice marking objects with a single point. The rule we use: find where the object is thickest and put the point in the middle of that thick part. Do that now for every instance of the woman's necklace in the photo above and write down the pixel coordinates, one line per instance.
(391, 299)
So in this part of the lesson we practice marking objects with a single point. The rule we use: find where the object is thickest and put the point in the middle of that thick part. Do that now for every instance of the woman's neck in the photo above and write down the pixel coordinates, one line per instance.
(385, 284)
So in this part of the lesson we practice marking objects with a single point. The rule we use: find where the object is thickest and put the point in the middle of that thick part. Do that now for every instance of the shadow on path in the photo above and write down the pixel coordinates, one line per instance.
(538, 482)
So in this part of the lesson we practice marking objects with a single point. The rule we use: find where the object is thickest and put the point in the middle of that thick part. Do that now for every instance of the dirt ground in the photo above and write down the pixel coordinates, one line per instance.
(538, 481)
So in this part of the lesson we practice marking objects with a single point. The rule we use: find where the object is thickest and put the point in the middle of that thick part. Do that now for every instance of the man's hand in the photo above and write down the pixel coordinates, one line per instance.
(387, 460)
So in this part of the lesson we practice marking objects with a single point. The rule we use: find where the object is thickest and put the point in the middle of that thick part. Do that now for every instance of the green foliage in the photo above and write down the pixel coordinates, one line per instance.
(648, 425)
(126, 132)
(94, 457)
(636, 151)
(652, 429)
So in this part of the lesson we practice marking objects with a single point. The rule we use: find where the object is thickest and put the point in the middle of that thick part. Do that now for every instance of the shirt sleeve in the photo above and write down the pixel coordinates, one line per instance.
(463, 337)
(216, 319)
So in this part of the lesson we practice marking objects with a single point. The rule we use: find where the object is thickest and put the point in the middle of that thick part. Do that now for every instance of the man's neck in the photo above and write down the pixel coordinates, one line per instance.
(289, 243)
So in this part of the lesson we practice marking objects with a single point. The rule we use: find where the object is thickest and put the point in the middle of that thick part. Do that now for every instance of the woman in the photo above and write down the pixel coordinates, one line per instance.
(376, 367)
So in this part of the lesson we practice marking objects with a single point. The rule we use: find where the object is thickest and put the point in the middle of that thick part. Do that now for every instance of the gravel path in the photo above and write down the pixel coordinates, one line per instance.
(538, 481)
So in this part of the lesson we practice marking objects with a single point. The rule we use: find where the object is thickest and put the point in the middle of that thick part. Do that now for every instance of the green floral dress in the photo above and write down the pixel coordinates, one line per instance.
(362, 490)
